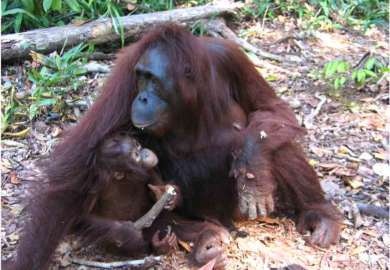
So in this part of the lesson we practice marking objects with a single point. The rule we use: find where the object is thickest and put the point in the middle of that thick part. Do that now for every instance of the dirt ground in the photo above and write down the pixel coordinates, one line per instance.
(346, 143)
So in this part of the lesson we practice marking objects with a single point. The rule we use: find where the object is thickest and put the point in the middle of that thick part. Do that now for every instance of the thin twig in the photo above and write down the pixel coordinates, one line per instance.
(149, 261)
(264, 16)
(362, 60)
(218, 26)
(309, 120)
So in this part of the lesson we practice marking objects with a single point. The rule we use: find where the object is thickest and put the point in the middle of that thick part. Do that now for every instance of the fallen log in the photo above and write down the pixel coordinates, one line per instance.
(45, 40)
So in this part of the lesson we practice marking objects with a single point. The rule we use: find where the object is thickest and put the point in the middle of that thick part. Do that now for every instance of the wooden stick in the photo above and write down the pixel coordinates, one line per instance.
(147, 220)
(308, 121)
(149, 261)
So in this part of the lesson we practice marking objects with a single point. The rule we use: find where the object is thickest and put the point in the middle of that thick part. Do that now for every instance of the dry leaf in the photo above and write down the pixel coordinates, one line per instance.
(365, 156)
(5, 166)
(358, 250)
(346, 151)
(56, 132)
(20, 134)
(248, 244)
(14, 178)
(12, 143)
(313, 162)
(328, 166)
(270, 220)
(320, 152)
(381, 156)
(13, 237)
(386, 239)
(341, 171)
(382, 169)
(368, 100)
(185, 245)
(355, 182)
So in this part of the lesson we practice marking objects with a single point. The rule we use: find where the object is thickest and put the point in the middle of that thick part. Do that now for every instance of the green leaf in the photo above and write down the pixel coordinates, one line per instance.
(354, 75)
(385, 69)
(336, 83)
(18, 22)
(4, 5)
(29, 5)
(120, 25)
(361, 76)
(20, 11)
(46, 102)
(342, 81)
(47, 5)
(370, 63)
(271, 78)
(33, 110)
(371, 73)
(57, 5)
(74, 5)
(330, 69)
(342, 66)
(79, 71)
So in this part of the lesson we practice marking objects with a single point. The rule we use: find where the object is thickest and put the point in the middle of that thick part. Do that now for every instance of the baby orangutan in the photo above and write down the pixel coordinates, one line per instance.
(125, 168)
(129, 177)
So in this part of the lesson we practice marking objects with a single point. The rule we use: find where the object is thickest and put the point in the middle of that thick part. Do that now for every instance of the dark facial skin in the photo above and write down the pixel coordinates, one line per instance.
(151, 109)
(122, 152)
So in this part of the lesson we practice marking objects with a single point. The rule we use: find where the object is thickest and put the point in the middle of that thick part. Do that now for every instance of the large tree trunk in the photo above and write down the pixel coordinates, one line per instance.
(19, 45)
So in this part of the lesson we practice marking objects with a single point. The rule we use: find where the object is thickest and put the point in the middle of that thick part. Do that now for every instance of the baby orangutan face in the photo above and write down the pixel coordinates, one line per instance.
(121, 152)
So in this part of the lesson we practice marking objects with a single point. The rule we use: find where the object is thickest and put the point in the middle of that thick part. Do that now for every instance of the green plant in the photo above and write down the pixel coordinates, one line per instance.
(51, 80)
(145, 6)
(363, 12)
(8, 108)
(338, 73)
(198, 28)
(55, 82)
(259, 9)
(155, 5)
(21, 15)
(321, 13)
(372, 70)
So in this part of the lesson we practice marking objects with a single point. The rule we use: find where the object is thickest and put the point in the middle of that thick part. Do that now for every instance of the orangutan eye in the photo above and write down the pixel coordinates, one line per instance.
(136, 156)
(138, 146)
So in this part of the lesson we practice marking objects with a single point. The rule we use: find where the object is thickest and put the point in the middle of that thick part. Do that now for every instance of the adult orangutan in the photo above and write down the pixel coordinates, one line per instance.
(182, 95)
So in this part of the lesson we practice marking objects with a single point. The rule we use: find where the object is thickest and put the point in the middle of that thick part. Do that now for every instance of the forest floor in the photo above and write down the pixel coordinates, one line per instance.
(346, 143)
